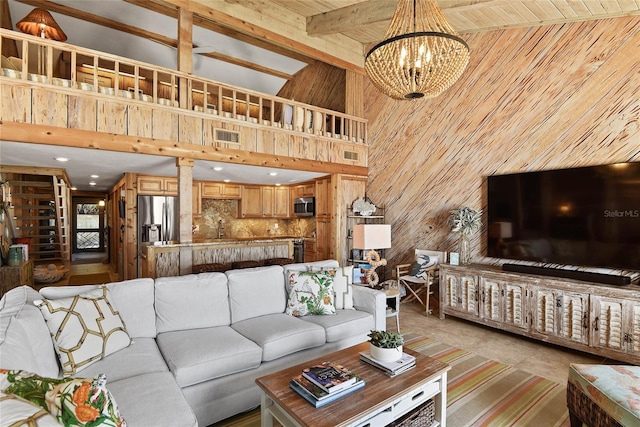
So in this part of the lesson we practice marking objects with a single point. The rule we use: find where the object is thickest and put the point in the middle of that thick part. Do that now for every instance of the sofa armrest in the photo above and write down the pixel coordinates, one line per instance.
(372, 301)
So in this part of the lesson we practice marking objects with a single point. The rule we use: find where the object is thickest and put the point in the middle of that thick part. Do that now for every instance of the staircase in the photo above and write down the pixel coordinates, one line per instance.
(39, 211)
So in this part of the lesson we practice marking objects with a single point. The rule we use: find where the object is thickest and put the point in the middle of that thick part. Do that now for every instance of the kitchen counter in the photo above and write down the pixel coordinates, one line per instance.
(176, 259)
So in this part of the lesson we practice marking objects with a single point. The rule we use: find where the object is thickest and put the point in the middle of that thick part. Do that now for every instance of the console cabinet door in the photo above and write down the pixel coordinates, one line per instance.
(515, 305)
(562, 314)
(503, 302)
(461, 292)
(615, 324)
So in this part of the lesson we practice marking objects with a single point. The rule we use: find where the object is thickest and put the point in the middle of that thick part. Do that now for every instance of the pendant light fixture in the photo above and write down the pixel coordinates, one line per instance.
(421, 56)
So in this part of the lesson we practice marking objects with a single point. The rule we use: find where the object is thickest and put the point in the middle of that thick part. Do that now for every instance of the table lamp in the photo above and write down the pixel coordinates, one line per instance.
(371, 237)
(39, 22)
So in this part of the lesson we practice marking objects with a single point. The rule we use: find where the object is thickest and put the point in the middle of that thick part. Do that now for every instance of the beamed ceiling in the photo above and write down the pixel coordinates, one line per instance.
(272, 40)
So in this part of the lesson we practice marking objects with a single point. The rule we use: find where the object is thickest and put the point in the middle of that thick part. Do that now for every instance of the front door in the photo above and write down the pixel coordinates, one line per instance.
(88, 225)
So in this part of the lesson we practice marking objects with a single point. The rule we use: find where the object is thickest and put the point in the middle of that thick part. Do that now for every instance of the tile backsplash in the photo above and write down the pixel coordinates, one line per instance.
(214, 210)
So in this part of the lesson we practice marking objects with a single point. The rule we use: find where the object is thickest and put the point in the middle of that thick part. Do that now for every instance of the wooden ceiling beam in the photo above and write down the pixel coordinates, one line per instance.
(356, 15)
(79, 138)
(172, 11)
(279, 27)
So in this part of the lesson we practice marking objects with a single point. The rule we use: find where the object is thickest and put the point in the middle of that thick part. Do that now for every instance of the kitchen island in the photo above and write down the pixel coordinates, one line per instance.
(177, 259)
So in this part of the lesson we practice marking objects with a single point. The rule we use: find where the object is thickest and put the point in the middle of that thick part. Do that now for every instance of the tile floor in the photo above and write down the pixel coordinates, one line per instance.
(536, 357)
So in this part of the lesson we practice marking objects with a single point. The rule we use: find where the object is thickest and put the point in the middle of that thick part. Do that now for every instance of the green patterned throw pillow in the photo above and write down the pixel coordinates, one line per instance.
(310, 292)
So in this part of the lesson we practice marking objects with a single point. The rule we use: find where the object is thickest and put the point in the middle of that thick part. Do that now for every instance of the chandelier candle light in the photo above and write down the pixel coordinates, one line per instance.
(422, 54)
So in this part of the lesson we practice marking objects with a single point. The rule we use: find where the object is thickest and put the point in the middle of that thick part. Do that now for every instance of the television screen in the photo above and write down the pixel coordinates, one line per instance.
(588, 216)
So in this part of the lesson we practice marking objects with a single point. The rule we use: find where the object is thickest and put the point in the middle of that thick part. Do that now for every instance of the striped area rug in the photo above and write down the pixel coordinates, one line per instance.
(484, 392)
(480, 392)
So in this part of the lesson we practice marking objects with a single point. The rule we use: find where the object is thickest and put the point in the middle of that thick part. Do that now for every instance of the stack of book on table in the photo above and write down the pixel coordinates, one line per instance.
(324, 383)
(392, 369)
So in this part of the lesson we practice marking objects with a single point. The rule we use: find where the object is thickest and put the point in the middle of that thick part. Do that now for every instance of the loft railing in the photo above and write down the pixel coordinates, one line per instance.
(53, 63)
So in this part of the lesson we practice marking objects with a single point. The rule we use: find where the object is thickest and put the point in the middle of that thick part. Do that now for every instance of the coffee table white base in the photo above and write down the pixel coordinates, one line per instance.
(378, 416)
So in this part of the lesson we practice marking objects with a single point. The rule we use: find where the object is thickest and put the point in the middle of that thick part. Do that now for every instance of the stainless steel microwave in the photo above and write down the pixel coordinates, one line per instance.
(304, 206)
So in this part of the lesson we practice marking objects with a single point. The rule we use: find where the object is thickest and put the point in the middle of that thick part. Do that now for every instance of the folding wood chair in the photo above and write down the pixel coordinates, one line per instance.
(423, 283)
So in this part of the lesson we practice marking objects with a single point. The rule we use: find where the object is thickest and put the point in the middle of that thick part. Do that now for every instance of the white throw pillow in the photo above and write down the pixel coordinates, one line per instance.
(85, 328)
(310, 292)
(19, 412)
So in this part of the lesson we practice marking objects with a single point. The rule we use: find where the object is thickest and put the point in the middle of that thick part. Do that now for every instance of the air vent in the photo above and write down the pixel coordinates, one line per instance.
(350, 155)
(227, 136)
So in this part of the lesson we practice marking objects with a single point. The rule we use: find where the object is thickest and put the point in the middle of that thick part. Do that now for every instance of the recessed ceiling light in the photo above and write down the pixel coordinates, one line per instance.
(218, 168)
(226, 180)
(95, 176)
(273, 173)
(62, 159)
(278, 184)
(92, 183)
(74, 188)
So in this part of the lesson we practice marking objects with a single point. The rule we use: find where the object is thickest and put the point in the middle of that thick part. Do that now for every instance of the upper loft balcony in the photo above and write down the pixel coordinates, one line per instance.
(56, 84)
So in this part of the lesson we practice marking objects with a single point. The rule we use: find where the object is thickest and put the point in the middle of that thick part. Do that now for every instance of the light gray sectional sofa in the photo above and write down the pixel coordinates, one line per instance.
(198, 341)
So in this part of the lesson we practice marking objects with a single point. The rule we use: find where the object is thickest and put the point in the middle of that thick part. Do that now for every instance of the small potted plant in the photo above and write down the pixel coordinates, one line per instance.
(385, 346)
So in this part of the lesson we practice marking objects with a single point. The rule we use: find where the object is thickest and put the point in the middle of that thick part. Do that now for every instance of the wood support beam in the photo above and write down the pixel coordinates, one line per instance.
(356, 15)
(51, 135)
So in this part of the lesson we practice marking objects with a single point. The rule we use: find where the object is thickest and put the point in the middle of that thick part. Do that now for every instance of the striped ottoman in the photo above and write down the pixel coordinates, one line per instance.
(604, 395)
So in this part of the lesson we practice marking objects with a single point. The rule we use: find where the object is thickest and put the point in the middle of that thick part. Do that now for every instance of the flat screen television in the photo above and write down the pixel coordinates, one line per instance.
(586, 216)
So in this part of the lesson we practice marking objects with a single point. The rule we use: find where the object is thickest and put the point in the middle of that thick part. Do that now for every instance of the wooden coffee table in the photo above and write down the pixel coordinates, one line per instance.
(381, 401)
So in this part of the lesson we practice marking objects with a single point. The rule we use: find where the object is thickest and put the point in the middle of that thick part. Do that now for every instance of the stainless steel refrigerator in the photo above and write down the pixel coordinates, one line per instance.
(158, 221)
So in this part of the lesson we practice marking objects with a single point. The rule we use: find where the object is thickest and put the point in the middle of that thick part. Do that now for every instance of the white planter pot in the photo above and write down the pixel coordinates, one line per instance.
(385, 354)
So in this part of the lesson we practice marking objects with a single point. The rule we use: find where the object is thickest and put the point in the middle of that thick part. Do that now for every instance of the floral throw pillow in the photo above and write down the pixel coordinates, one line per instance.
(310, 292)
(72, 401)
(85, 328)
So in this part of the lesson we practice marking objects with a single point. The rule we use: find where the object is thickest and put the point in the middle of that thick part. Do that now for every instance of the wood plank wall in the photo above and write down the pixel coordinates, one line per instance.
(318, 84)
(540, 98)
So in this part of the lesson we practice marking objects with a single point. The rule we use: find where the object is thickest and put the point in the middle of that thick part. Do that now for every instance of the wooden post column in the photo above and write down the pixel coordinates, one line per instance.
(185, 193)
(185, 52)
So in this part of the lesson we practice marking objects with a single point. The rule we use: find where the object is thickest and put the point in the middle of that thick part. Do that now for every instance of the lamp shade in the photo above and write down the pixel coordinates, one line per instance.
(500, 230)
(372, 236)
(39, 22)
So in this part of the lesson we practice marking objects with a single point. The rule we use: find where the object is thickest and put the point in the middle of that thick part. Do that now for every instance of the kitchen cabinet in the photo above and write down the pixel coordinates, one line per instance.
(157, 185)
(323, 218)
(221, 190)
(281, 205)
(264, 201)
(310, 251)
(303, 190)
(323, 197)
(251, 201)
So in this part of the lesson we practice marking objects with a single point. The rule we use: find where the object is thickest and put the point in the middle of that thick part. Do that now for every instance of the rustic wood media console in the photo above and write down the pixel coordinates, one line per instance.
(591, 317)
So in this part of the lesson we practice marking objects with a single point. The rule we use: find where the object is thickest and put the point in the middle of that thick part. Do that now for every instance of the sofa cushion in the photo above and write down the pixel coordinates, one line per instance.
(134, 299)
(25, 340)
(72, 401)
(310, 292)
(255, 292)
(85, 328)
(345, 324)
(198, 355)
(191, 302)
(280, 334)
(152, 400)
(142, 356)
